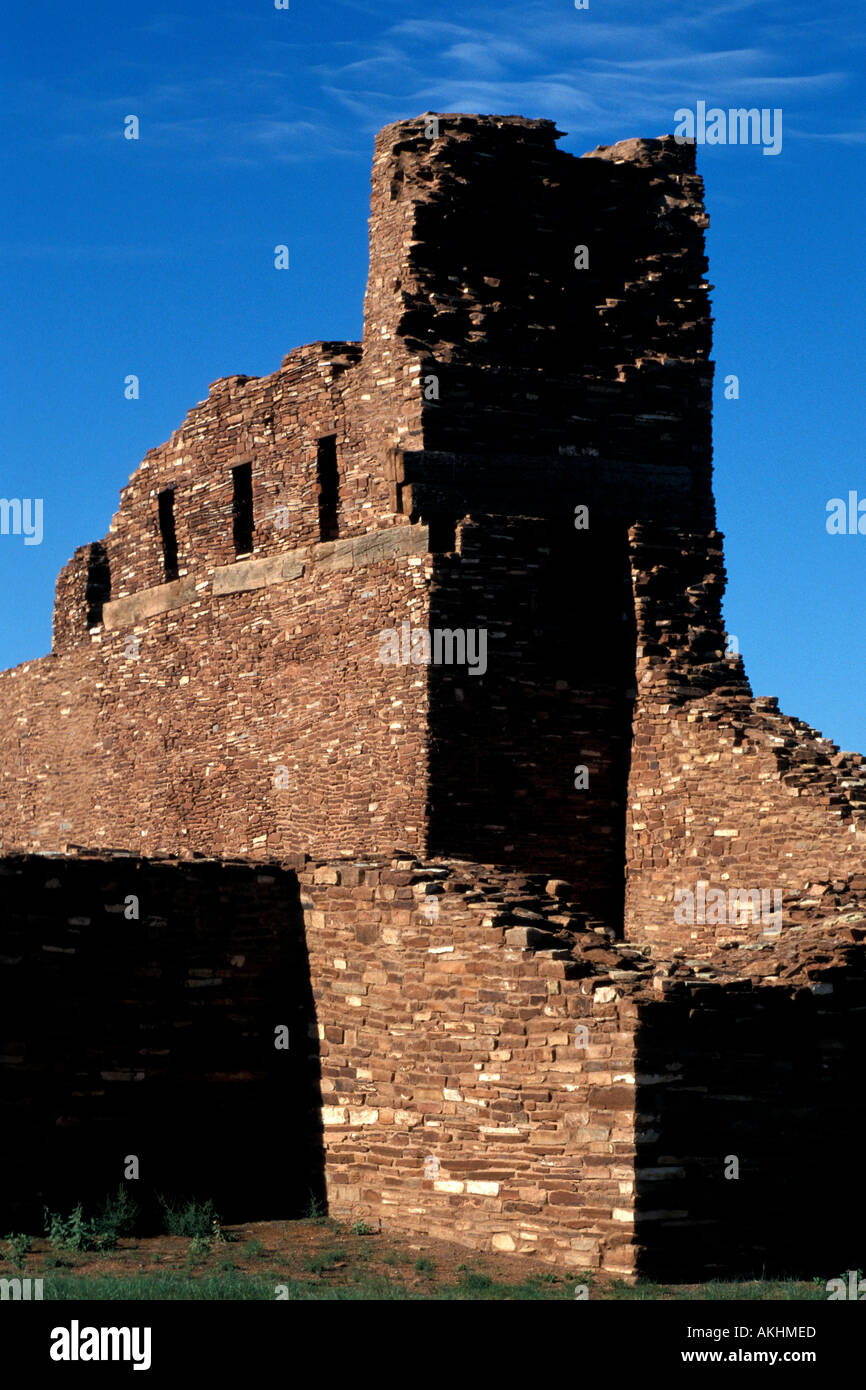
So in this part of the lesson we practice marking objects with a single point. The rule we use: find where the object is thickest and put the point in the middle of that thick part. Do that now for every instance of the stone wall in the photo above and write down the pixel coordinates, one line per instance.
(248, 721)
(435, 1077)
(202, 698)
(138, 1008)
(506, 750)
(727, 795)
(749, 1108)
(461, 1098)
(520, 448)
(533, 353)
(469, 1058)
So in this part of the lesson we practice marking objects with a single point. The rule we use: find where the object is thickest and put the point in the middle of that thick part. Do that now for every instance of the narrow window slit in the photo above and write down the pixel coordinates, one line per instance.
(329, 488)
(168, 533)
(98, 587)
(242, 508)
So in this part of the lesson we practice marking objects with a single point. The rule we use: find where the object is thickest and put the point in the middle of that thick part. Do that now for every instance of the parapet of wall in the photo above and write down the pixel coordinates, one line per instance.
(273, 423)
(534, 351)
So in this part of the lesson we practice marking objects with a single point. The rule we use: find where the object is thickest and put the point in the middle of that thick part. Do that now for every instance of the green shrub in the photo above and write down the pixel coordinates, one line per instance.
(188, 1217)
(117, 1216)
(72, 1232)
(18, 1246)
(78, 1233)
(316, 1209)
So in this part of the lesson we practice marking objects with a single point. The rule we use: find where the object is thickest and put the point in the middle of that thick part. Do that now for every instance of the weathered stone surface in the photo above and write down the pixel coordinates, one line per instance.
(131, 612)
(510, 1037)
(258, 574)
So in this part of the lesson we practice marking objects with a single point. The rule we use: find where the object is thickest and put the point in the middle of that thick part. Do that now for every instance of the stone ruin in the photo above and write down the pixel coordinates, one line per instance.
(396, 710)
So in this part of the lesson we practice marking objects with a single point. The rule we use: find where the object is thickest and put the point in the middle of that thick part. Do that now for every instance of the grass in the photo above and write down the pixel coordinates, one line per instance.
(327, 1260)
(88, 1256)
(233, 1285)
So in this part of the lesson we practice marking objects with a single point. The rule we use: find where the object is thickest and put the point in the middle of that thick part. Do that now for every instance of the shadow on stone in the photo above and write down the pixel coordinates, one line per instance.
(770, 1077)
(154, 1037)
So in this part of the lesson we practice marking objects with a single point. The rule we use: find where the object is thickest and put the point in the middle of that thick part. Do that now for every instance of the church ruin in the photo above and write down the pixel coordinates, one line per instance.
(554, 940)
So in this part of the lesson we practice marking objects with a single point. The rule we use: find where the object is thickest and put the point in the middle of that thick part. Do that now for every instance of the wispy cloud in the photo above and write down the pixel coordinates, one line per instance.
(612, 69)
(84, 253)
(839, 137)
(588, 70)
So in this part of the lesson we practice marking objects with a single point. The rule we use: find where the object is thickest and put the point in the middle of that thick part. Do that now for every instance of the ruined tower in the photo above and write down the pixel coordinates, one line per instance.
(478, 848)
(536, 345)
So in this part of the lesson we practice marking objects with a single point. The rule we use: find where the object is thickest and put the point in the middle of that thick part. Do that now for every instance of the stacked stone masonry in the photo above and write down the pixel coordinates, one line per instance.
(508, 1021)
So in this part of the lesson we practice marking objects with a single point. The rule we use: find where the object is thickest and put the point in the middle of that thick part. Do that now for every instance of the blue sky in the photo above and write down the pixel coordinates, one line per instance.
(155, 256)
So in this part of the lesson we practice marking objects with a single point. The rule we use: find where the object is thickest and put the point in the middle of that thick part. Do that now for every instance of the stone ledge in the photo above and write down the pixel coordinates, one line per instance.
(128, 612)
(258, 574)
(246, 575)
